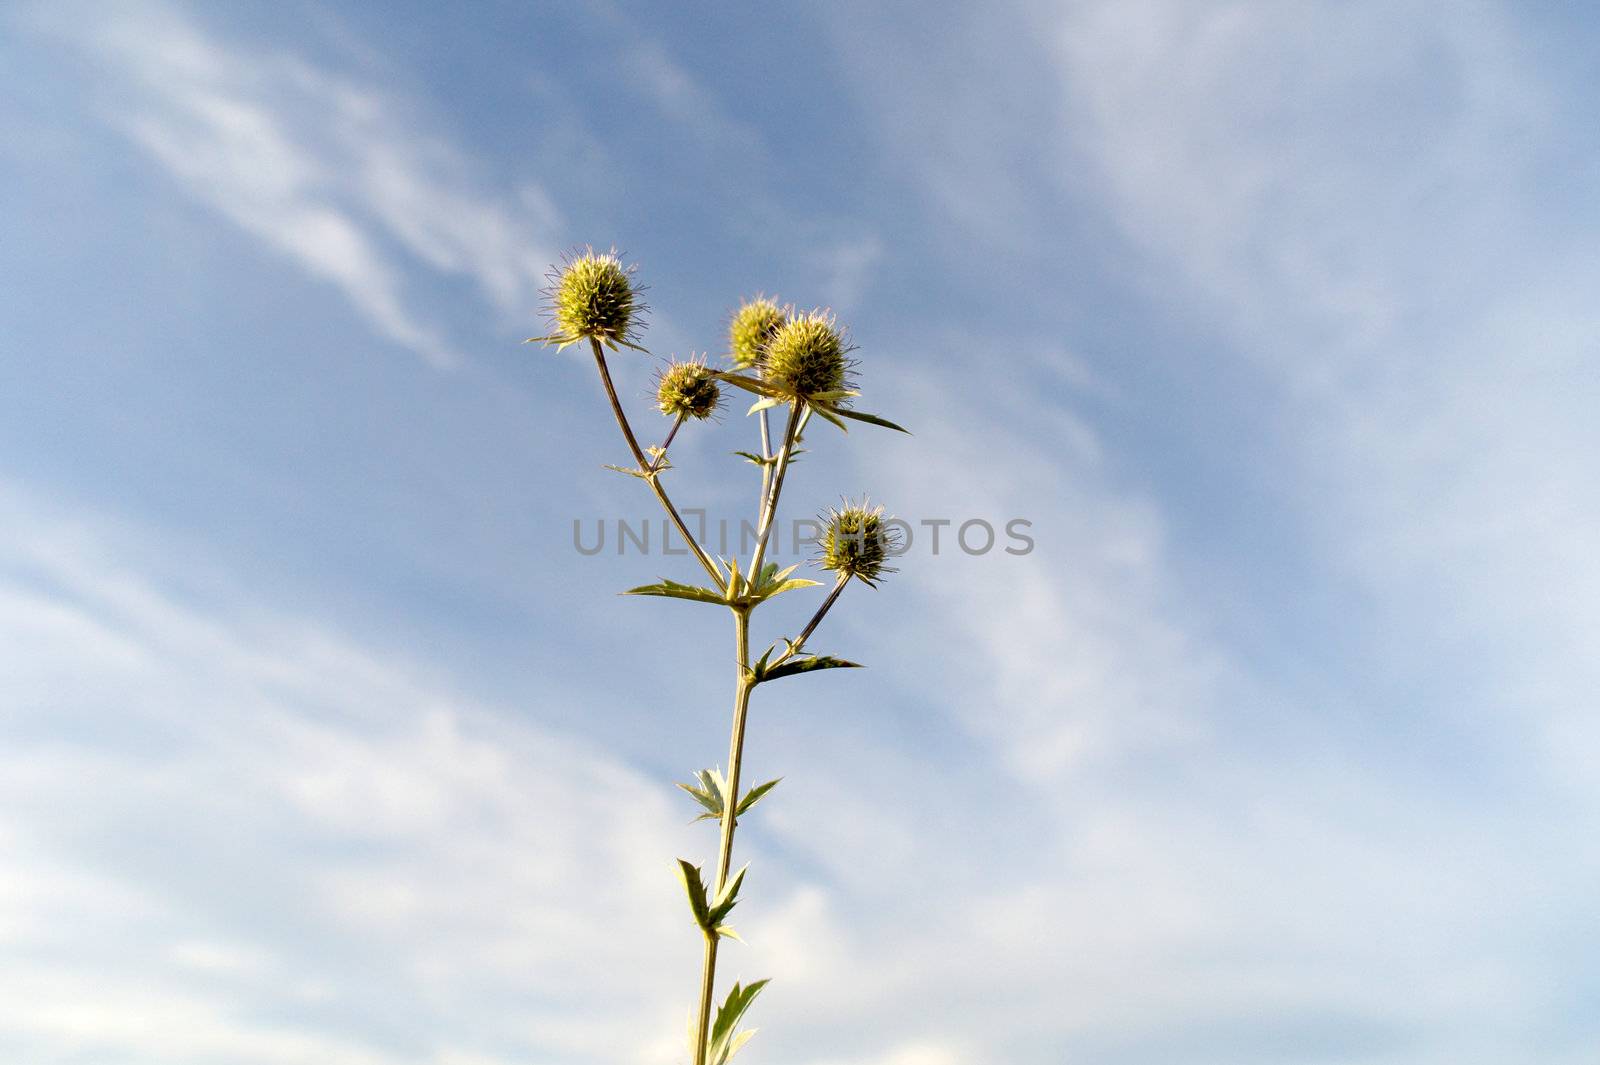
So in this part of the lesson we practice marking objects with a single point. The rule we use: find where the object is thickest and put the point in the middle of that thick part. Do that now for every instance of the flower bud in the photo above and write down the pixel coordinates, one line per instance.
(856, 541)
(688, 390)
(752, 328)
(806, 357)
(594, 297)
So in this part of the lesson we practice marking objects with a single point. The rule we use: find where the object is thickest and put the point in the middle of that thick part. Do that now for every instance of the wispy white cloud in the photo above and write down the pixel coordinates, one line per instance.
(233, 836)
(337, 174)
(1360, 193)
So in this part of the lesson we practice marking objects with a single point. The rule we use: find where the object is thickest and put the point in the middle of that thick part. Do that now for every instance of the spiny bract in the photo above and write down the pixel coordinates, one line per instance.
(594, 297)
(688, 390)
(856, 541)
(806, 357)
(753, 326)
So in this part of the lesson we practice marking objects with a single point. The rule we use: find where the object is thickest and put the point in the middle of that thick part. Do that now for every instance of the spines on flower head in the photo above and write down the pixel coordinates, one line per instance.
(857, 541)
(688, 389)
(593, 297)
(752, 329)
(807, 358)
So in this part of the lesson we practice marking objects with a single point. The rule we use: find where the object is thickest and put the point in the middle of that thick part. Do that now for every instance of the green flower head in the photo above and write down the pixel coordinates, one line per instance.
(856, 541)
(806, 358)
(753, 326)
(688, 389)
(593, 297)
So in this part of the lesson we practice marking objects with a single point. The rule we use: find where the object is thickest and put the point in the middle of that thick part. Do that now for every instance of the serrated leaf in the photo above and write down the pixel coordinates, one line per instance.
(753, 796)
(695, 888)
(675, 590)
(870, 419)
(712, 803)
(727, 898)
(723, 1042)
(728, 933)
(808, 665)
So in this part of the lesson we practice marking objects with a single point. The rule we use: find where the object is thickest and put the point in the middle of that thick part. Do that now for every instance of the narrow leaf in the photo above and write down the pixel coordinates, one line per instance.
(712, 803)
(753, 796)
(749, 384)
(870, 419)
(764, 403)
(695, 888)
(738, 1042)
(829, 414)
(807, 665)
(675, 590)
(729, 1014)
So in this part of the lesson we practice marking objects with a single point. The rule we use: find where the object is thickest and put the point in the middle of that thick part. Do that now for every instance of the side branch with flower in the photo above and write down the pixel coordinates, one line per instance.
(797, 364)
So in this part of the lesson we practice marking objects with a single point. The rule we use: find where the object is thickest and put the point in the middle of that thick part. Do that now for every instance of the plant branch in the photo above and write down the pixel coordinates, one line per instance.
(661, 452)
(650, 473)
(766, 453)
(770, 503)
(811, 626)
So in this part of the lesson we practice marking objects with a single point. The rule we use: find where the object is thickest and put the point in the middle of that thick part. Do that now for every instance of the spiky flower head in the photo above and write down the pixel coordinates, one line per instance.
(752, 328)
(856, 541)
(806, 357)
(593, 296)
(688, 389)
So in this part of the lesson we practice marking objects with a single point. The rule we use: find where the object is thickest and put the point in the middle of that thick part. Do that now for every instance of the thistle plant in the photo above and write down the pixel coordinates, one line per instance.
(797, 364)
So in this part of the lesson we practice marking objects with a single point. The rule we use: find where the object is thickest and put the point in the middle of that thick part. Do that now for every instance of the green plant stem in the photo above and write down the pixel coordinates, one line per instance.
(650, 473)
(741, 710)
(766, 453)
(811, 626)
(661, 452)
(769, 510)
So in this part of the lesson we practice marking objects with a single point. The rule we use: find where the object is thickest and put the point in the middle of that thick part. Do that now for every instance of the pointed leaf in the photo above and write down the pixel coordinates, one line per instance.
(753, 796)
(753, 457)
(727, 932)
(729, 1014)
(727, 898)
(712, 803)
(870, 419)
(807, 665)
(675, 590)
(829, 414)
(695, 888)
(738, 1043)
(749, 384)
(631, 471)
(764, 403)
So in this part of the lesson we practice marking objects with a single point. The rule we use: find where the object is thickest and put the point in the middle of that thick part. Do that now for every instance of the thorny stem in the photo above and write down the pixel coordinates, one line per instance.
(650, 473)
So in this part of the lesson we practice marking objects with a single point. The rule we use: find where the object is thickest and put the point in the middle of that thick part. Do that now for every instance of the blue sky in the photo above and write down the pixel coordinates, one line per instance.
(319, 742)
